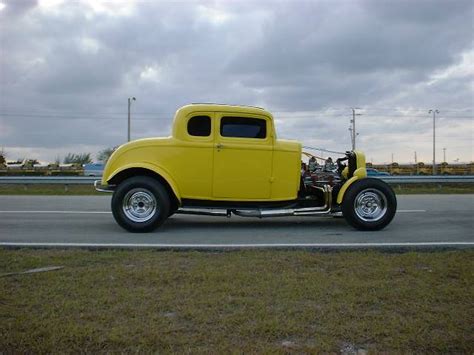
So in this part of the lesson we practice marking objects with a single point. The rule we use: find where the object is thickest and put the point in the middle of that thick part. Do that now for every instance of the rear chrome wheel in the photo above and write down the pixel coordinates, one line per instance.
(140, 204)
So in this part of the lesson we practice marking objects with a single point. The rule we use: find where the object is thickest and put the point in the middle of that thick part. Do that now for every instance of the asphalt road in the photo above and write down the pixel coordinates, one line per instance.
(86, 220)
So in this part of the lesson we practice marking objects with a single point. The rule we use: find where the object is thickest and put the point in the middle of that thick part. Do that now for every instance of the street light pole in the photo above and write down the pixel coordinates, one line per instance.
(434, 112)
(129, 105)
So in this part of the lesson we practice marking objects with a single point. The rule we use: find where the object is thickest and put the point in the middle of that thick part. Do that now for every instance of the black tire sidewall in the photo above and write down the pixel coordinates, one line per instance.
(152, 185)
(348, 210)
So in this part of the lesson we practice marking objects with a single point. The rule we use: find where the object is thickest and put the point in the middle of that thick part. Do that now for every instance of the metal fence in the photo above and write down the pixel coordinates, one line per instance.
(87, 180)
(50, 180)
(436, 179)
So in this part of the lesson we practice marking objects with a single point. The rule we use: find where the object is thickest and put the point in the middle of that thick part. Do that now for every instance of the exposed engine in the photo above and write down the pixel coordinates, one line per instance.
(324, 172)
(319, 174)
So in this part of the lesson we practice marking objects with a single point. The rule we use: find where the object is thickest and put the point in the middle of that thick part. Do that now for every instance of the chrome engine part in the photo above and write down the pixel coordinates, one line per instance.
(319, 175)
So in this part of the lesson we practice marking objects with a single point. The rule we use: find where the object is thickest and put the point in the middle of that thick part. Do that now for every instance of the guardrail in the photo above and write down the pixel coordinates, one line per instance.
(50, 180)
(89, 180)
(430, 179)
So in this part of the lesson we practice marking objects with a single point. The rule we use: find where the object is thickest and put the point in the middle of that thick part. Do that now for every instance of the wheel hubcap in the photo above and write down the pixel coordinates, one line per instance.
(370, 205)
(139, 205)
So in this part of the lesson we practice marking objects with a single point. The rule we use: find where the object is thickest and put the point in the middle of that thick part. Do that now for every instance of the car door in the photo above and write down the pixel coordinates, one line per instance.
(242, 157)
(192, 156)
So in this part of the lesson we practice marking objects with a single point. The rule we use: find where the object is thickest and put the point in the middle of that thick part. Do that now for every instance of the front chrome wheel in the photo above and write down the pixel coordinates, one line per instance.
(370, 205)
(139, 205)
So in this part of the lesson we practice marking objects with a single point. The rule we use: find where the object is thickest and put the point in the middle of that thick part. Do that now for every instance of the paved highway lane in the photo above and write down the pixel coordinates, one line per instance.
(87, 219)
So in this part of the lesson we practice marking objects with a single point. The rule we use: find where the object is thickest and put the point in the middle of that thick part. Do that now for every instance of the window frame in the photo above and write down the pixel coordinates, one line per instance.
(244, 116)
(207, 137)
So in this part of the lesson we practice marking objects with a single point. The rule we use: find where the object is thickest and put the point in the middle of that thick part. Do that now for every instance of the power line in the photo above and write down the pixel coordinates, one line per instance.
(162, 115)
(322, 150)
(342, 109)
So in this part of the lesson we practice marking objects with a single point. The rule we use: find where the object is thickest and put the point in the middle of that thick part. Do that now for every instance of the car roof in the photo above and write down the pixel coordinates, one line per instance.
(213, 107)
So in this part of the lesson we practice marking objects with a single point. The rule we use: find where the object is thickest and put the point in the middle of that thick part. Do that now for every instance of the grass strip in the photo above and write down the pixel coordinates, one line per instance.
(241, 301)
(48, 190)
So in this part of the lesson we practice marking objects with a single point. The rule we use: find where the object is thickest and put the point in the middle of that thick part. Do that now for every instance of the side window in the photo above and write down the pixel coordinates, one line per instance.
(243, 127)
(199, 126)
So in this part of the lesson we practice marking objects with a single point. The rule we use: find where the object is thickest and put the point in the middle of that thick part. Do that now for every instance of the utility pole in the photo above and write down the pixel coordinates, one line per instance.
(444, 155)
(129, 105)
(352, 138)
(416, 163)
(353, 128)
(391, 166)
(434, 112)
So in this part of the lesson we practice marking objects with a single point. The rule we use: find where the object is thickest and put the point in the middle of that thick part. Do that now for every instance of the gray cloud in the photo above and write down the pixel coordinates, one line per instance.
(66, 71)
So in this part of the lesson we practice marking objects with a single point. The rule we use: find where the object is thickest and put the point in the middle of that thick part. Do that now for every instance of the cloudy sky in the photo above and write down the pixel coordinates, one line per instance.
(68, 67)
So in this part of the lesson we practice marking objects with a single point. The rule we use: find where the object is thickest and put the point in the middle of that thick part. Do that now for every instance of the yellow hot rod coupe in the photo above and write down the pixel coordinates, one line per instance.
(224, 160)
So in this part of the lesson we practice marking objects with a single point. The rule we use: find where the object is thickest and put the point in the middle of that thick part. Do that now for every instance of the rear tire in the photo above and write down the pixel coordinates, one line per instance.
(140, 204)
(369, 204)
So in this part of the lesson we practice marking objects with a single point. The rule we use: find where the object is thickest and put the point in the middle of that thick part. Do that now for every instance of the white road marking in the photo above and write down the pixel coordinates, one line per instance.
(59, 212)
(411, 211)
(107, 212)
(234, 246)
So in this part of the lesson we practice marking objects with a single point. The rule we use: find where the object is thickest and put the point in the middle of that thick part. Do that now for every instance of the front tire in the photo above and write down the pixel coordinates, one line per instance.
(369, 204)
(140, 204)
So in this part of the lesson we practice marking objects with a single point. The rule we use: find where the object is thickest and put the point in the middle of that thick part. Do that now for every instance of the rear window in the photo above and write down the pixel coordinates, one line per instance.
(243, 127)
(199, 126)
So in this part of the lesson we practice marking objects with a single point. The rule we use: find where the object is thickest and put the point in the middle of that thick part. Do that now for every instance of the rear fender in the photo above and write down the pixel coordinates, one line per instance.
(154, 168)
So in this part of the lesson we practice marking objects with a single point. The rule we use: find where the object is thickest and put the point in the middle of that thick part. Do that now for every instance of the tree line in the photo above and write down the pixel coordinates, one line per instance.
(74, 158)
(85, 158)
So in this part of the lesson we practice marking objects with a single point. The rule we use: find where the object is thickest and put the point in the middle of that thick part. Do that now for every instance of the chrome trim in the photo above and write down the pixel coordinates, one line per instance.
(270, 212)
(304, 211)
(370, 205)
(103, 188)
(139, 205)
(203, 211)
(85, 180)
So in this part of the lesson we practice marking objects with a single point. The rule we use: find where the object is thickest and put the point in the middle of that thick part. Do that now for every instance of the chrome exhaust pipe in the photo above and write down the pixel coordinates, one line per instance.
(263, 213)
(305, 211)
(271, 212)
(283, 213)
(204, 212)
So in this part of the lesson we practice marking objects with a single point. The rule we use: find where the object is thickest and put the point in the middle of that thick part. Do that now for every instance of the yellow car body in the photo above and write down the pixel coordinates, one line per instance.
(224, 160)
(215, 167)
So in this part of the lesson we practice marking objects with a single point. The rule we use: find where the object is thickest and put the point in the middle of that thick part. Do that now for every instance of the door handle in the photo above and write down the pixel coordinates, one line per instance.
(219, 146)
